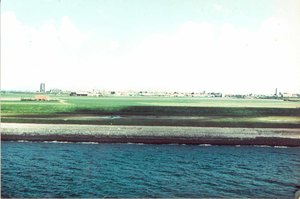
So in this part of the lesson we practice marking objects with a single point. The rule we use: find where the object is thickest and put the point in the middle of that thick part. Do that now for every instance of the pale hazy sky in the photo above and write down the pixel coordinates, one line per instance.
(229, 46)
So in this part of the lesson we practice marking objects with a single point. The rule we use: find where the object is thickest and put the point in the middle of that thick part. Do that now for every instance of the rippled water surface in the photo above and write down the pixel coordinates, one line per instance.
(39, 169)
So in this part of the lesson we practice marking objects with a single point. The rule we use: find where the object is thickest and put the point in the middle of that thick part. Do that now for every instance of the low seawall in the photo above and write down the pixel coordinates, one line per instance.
(150, 135)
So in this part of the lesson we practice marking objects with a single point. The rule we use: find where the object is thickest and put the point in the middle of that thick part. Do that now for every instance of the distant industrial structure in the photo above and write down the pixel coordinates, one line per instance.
(42, 88)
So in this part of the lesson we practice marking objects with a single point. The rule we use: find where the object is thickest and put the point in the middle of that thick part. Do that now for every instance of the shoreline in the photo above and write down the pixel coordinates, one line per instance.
(150, 134)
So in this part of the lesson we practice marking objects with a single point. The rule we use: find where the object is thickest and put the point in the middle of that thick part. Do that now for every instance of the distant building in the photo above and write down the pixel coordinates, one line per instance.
(42, 97)
(55, 91)
(42, 88)
(82, 94)
(218, 94)
(147, 94)
(288, 95)
(276, 91)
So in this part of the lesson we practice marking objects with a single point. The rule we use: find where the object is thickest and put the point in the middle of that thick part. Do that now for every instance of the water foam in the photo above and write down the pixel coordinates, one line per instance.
(204, 144)
(87, 142)
(59, 142)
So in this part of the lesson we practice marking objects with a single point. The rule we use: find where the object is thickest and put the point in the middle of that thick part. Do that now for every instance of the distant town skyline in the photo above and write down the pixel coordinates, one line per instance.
(167, 45)
(97, 90)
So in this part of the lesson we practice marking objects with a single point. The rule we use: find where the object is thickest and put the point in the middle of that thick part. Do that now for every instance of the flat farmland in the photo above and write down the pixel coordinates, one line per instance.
(180, 111)
(178, 101)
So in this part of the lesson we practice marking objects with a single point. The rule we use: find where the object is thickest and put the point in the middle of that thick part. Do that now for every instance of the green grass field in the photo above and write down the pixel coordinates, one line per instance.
(218, 111)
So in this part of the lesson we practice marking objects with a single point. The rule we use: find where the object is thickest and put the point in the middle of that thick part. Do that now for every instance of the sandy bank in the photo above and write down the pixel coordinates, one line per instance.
(153, 135)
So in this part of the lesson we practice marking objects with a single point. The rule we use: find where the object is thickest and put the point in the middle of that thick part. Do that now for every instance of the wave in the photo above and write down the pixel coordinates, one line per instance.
(205, 145)
(281, 147)
(134, 143)
(87, 143)
(261, 146)
(267, 146)
(60, 142)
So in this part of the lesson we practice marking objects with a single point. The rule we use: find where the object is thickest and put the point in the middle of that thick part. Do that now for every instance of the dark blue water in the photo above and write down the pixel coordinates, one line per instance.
(38, 169)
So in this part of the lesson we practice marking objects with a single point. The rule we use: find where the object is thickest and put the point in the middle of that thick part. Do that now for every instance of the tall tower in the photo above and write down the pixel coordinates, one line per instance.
(42, 88)
(276, 91)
